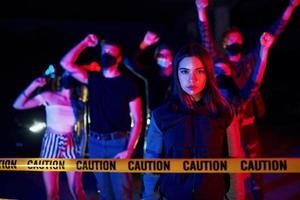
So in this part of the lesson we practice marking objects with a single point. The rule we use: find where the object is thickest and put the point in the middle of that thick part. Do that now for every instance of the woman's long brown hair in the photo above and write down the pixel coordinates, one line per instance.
(211, 95)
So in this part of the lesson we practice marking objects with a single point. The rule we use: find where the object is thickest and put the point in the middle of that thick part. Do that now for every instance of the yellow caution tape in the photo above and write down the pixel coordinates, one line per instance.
(257, 165)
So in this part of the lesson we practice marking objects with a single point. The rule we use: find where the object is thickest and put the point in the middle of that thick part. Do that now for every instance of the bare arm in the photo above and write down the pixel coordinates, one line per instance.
(68, 62)
(25, 101)
(234, 139)
(266, 41)
(136, 112)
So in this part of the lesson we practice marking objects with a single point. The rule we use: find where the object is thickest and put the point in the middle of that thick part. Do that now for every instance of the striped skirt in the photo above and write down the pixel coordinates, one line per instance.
(57, 145)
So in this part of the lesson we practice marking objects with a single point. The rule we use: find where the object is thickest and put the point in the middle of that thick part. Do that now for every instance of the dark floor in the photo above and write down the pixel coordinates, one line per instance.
(276, 142)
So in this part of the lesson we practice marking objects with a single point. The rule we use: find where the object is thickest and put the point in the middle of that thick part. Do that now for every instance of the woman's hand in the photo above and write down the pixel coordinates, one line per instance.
(124, 154)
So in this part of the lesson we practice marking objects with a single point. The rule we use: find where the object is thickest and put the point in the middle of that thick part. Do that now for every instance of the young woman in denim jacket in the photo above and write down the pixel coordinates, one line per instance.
(193, 123)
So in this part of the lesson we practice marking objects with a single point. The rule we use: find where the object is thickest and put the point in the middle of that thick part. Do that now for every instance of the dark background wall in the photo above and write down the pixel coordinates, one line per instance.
(34, 34)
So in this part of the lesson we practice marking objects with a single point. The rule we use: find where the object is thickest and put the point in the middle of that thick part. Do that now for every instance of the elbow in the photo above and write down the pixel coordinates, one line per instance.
(17, 106)
(64, 63)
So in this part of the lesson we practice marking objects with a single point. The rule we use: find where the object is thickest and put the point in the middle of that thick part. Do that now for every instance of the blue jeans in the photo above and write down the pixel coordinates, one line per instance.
(111, 185)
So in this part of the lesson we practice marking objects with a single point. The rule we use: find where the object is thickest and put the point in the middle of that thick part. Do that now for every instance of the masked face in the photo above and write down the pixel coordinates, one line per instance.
(110, 55)
(108, 60)
(164, 58)
(233, 49)
(163, 62)
(233, 43)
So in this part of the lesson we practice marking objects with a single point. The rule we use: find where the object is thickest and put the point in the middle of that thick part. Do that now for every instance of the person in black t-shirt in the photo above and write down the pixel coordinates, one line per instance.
(114, 102)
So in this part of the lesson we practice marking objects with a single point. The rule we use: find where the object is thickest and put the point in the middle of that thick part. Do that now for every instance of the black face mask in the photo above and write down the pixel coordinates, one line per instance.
(67, 82)
(108, 60)
(234, 49)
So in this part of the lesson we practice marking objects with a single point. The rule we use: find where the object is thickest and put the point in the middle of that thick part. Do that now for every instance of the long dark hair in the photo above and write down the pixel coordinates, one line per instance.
(211, 95)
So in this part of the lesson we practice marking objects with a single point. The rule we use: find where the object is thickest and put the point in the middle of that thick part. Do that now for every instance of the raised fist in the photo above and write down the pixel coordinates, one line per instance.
(91, 40)
(150, 38)
(201, 4)
(266, 39)
(40, 82)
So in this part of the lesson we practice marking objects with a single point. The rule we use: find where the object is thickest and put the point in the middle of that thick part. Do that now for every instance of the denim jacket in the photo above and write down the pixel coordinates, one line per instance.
(186, 134)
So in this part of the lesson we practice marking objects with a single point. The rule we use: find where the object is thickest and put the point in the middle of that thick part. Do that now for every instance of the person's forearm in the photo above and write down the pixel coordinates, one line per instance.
(134, 136)
(24, 96)
(202, 15)
(143, 45)
(70, 58)
(260, 67)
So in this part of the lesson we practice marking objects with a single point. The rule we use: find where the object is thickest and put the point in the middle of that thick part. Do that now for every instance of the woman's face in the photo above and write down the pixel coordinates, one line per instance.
(192, 76)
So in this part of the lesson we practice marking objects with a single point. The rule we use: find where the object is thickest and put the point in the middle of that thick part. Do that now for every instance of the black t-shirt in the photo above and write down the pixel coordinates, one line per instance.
(109, 102)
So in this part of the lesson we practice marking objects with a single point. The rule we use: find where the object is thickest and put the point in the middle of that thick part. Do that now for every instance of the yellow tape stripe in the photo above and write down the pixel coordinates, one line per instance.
(261, 165)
